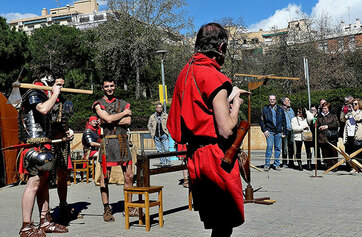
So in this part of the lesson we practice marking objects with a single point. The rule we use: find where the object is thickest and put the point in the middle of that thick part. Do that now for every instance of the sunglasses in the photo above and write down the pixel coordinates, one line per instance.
(355, 103)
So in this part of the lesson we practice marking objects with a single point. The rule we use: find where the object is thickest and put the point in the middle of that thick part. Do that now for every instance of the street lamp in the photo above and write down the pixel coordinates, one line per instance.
(162, 52)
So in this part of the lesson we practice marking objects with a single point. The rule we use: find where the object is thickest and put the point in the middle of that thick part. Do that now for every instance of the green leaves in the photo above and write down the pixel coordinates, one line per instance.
(13, 55)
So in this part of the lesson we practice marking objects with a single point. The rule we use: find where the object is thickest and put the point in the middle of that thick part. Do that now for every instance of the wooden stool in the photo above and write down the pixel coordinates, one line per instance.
(146, 204)
(80, 163)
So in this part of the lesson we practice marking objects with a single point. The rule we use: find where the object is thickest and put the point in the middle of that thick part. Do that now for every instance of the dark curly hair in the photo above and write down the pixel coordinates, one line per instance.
(41, 71)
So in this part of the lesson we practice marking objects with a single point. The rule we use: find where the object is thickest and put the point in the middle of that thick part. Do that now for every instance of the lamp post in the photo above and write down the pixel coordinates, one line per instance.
(162, 52)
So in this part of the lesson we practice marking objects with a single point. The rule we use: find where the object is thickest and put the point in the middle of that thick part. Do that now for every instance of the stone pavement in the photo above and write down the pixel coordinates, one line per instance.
(328, 206)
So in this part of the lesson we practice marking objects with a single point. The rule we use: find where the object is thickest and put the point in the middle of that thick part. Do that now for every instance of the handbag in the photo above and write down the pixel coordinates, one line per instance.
(307, 136)
(332, 134)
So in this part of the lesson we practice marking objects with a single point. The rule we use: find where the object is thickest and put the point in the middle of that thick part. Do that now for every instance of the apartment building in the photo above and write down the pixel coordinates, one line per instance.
(84, 14)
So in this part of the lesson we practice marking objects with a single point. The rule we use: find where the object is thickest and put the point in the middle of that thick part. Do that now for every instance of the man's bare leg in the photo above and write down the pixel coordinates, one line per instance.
(107, 215)
(28, 200)
(42, 196)
(128, 182)
(66, 213)
(128, 179)
(46, 223)
(62, 186)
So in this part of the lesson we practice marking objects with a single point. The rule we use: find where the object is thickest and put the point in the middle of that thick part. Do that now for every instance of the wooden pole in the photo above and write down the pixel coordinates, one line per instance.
(261, 77)
(249, 120)
(49, 88)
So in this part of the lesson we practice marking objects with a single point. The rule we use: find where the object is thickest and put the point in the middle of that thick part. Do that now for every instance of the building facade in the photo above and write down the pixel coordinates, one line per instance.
(84, 14)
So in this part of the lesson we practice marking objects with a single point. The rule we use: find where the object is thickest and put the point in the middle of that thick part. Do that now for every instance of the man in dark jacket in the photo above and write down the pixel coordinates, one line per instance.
(273, 125)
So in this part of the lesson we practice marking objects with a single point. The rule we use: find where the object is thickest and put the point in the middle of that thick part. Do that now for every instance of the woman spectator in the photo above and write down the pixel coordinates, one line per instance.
(327, 127)
(300, 126)
(356, 114)
(349, 130)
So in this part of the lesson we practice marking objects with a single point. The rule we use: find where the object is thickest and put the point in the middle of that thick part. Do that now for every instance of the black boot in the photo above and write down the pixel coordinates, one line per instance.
(291, 165)
(309, 164)
(309, 161)
(300, 167)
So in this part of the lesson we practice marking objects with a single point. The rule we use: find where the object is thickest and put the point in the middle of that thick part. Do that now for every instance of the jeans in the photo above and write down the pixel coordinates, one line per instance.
(162, 145)
(275, 139)
(288, 147)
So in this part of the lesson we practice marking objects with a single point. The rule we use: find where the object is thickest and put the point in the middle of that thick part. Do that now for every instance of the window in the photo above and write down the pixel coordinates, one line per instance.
(340, 44)
(98, 17)
(84, 19)
(352, 43)
(255, 41)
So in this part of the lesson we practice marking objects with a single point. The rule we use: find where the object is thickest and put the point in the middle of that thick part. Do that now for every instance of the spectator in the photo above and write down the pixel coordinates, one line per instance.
(288, 139)
(347, 107)
(355, 117)
(273, 125)
(321, 102)
(300, 125)
(327, 126)
(157, 125)
(312, 118)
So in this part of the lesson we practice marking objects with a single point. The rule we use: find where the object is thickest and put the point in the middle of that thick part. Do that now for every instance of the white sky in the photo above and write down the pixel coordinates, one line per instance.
(336, 10)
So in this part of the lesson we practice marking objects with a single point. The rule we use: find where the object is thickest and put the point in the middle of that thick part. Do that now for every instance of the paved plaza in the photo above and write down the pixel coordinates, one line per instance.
(305, 206)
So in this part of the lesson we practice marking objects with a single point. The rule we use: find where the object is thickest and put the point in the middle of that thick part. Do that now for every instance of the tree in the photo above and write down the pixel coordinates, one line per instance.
(236, 29)
(14, 54)
(64, 50)
(147, 24)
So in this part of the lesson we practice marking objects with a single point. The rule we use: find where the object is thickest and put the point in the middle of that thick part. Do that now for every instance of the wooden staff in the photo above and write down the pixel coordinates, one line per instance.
(49, 88)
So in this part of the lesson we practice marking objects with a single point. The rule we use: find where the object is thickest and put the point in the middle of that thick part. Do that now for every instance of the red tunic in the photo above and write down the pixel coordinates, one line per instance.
(217, 194)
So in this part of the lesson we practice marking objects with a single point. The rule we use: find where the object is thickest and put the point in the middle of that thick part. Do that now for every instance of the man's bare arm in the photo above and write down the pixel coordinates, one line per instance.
(225, 119)
(95, 144)
(112, 118)
(46, 106)
(125, 121)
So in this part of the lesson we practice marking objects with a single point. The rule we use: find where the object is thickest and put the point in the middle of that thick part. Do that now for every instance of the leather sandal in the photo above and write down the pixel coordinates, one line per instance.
(30, 230)
(107, 215)
(133, 212)
(186, 183)
(51, 227)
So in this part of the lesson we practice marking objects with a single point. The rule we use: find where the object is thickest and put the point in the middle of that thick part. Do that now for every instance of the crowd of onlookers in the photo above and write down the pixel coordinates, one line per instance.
(287, 130)
(318, 128)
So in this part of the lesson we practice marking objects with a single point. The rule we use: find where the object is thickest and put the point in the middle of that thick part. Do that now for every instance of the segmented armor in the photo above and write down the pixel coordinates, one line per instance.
(34, 126)
(115, 136)
(60, 115)
(88, 137)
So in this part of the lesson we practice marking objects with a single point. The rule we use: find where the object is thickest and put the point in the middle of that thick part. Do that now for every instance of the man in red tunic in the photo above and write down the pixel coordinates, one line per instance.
(204, 116)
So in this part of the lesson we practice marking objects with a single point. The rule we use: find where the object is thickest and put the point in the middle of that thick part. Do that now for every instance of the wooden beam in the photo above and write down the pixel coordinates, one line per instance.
(262, 77)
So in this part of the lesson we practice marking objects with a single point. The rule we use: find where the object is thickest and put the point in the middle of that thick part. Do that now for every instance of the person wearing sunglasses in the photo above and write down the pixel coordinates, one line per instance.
(352, 134)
